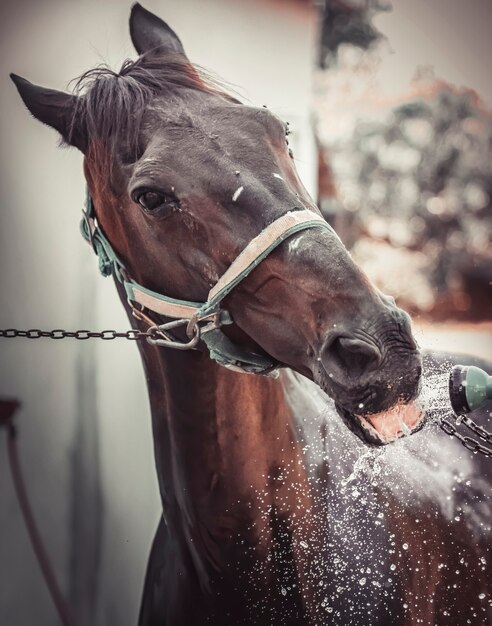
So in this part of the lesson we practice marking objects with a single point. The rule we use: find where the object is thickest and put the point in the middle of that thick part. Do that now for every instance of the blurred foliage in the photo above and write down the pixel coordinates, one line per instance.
(408, 186)
(421, 181)
(348, 22)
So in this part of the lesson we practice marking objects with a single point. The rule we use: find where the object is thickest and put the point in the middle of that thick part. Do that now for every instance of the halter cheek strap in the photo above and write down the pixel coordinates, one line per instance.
(195, 314)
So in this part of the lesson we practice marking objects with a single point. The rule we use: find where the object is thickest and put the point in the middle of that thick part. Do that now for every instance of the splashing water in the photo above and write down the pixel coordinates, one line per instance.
(383, 517)
(434, 396)
(379, 504)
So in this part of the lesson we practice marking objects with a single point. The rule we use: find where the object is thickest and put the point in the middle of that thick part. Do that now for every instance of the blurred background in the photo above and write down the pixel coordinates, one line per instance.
(389, 106)
(402, 119)
(405, 140)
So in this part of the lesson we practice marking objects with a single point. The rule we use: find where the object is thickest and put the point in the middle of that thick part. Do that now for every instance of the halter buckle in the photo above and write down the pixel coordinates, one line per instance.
(138, 314)
(214, 319)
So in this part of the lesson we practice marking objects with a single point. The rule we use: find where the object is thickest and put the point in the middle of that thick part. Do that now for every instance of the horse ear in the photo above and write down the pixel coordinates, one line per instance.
(54, 108)
(149, 32)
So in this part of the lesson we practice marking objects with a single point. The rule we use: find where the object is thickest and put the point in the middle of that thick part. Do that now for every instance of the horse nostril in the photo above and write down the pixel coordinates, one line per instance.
(355, 355)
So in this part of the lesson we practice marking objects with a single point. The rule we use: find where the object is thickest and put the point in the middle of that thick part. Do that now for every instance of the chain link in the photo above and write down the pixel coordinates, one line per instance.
(470, 444)
(156, 334)
(81, 335)
(476, 428)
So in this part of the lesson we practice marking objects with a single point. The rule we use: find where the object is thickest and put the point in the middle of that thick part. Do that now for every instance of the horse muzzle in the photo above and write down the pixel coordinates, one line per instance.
(374, 385)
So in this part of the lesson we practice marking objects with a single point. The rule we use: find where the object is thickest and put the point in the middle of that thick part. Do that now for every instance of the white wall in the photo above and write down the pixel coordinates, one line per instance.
(85, 422)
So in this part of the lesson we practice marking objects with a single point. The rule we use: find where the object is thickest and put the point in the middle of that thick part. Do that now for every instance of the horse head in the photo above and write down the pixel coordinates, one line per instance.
(183, 176)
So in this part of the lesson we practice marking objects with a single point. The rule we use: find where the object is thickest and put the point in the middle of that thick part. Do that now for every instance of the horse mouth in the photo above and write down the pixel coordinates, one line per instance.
(382, 428)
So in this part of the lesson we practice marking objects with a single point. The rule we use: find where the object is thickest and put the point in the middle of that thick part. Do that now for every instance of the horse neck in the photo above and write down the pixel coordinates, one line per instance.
(224, 442)
(230, 468)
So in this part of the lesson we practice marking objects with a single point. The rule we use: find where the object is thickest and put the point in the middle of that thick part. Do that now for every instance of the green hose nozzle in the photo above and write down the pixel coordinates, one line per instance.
(469, 388)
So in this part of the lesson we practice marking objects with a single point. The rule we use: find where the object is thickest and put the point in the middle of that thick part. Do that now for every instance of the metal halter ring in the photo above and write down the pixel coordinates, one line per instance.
(168, 341)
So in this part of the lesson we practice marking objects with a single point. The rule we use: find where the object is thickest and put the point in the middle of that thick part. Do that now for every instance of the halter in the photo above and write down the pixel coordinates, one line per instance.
(209, 313)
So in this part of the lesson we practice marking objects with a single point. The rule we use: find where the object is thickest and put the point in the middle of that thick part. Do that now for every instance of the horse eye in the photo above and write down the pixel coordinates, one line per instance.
(150, 200)
(155, 202)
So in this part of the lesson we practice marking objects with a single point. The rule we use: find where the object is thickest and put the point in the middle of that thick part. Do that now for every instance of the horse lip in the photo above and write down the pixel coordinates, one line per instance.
(355, 425)
(363, 427)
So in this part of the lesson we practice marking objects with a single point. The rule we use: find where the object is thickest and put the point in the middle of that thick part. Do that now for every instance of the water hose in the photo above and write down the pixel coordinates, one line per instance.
(469, 388)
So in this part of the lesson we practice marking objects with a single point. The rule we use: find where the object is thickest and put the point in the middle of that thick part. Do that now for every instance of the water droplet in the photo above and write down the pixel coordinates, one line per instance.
(405, 546)
(481, 596)
(405, 429)
(392, 567)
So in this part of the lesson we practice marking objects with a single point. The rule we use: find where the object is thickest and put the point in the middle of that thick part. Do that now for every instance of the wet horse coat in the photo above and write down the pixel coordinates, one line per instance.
(183, 176)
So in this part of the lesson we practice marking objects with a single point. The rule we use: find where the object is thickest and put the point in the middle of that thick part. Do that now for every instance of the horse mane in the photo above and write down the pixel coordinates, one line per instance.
(112, 104)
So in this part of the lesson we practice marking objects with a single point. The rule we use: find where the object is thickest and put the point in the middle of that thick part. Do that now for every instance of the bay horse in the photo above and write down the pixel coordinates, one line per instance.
(268, 515)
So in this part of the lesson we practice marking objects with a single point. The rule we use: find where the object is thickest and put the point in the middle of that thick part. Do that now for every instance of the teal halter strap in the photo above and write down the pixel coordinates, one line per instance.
(220, 347)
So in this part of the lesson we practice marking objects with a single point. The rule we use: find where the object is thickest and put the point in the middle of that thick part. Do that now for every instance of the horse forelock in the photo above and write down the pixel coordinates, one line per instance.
(112, 104)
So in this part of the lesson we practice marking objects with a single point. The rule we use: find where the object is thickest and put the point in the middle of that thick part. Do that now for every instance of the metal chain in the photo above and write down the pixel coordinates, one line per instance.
(82, 335)
(476, 428)
(137, 335)
(470, 444)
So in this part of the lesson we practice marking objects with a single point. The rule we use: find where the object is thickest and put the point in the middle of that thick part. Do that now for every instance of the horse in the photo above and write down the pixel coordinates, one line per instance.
(276, 372)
